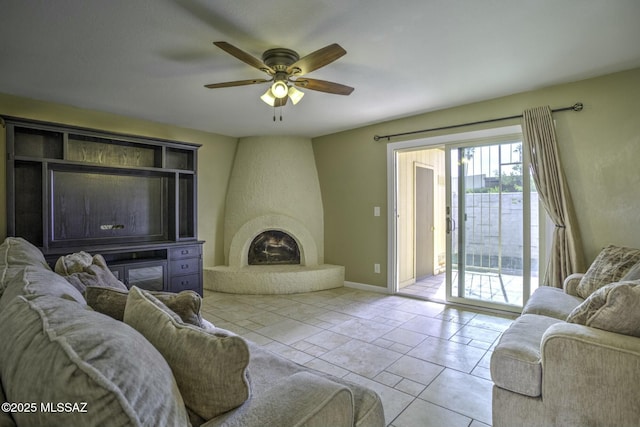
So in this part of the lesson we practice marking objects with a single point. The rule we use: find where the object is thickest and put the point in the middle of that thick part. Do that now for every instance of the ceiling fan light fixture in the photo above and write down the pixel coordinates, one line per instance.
(281, 65)
(268, 98)
(279, 89)
(295, 95)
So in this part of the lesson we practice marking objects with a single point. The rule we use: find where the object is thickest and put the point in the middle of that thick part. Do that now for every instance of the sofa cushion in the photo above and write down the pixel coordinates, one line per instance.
(55, 351)
(16, 253)
(614, 307)
(112, 302)
(516, 363)
(34, 280)
(266, 369)
(88, 272)
(317, 401)
(550, 301)
(211, 375)
(6, 420)
(611, 264)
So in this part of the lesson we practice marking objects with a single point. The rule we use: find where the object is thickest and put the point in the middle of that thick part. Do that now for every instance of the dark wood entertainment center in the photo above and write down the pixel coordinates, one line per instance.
(132, 199)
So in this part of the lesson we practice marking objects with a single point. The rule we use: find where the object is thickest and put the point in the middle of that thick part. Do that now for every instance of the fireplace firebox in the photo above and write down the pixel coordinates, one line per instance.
(273, 247)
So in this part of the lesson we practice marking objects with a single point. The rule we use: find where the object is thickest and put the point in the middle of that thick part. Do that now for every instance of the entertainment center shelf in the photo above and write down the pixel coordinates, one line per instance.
(131, 199)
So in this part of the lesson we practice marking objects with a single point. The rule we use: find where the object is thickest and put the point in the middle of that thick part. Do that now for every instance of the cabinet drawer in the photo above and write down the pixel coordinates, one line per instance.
(185, 266)
(185, 252)
(184, 283)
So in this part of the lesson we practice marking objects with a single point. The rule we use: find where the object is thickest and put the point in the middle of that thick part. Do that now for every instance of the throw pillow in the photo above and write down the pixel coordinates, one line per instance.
(608, 267)
(614, 307)
(34, 280)
(112, 302)
(632, 274)
(210, 369)
(54, 351)
(72, 263)
(82, 270)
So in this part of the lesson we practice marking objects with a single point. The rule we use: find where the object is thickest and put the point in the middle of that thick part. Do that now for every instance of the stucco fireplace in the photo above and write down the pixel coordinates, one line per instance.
(274, 227)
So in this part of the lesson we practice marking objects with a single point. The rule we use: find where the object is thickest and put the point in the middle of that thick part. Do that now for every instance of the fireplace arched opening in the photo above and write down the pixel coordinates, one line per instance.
(273, 247)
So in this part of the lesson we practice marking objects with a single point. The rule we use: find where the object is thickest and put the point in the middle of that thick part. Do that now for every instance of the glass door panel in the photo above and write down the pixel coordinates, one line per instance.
(150, 275)
(487, 225)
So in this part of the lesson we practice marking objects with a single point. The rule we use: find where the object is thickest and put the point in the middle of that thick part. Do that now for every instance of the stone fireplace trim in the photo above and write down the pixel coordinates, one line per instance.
(239, 247)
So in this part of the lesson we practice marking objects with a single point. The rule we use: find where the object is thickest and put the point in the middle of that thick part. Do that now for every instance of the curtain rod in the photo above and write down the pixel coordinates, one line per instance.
(575, 107)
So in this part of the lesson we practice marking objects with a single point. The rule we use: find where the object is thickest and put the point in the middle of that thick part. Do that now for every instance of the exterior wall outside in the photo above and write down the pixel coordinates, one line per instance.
(483, 230)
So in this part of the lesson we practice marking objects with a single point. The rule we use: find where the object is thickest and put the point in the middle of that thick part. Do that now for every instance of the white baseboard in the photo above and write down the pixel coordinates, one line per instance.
(365, 287)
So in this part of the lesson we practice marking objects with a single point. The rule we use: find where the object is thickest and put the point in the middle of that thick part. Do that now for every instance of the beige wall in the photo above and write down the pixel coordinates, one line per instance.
(599, 148)
(214, 159)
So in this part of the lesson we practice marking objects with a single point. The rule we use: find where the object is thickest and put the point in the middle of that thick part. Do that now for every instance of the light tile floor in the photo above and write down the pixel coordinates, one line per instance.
(428, 361)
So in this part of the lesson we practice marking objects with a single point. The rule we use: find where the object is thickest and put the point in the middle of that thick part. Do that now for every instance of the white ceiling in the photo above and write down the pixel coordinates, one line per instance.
(151, 58)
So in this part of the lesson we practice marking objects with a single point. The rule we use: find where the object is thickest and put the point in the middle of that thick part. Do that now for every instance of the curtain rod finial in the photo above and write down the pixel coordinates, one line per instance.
(578, 106)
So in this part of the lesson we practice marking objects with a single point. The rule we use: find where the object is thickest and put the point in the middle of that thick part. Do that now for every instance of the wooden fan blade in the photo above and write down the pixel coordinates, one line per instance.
(317, 59)
(236, 83)
(324, 86)
(244, 57)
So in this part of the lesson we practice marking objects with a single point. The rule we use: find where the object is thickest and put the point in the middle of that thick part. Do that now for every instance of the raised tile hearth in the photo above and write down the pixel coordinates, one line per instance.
(273, 279)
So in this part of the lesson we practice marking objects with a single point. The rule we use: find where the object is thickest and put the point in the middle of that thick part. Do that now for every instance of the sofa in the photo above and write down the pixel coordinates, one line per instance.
(573, 357)
(101, 355)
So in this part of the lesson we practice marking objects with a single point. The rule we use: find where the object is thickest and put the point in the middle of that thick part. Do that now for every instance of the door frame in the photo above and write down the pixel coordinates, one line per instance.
(392, 183)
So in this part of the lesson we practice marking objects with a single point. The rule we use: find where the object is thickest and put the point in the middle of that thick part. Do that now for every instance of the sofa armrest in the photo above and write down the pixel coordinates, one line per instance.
(570, 284)
(301, 400)
(590, 376)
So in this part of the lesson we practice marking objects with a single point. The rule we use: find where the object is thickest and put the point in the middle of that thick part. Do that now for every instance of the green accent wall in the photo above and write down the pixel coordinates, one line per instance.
(599, 149)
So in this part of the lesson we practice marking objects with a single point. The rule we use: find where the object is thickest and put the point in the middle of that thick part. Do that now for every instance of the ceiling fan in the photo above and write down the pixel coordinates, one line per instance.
(285, 69)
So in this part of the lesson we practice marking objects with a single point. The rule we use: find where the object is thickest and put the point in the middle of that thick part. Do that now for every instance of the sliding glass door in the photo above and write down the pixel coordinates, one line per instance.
(488, 224)
(486, 228)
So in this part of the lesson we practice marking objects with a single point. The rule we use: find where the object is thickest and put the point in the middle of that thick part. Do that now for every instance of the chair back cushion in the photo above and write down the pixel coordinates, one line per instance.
(609, 266)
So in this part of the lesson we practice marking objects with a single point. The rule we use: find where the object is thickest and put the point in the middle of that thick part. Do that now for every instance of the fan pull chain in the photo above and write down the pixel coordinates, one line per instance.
(274, 113)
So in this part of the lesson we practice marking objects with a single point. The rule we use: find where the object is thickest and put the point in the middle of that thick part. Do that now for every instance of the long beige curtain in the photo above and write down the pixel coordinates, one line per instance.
(566, 249)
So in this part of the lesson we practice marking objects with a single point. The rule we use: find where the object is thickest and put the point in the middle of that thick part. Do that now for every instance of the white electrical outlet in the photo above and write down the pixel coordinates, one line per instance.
(376, 211)
(376, 268)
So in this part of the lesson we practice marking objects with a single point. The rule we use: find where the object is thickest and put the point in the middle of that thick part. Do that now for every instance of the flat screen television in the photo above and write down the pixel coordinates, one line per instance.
(107, 207)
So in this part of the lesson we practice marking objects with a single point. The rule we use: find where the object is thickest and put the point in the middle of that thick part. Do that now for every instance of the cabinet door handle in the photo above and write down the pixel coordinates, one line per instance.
(184, 266)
